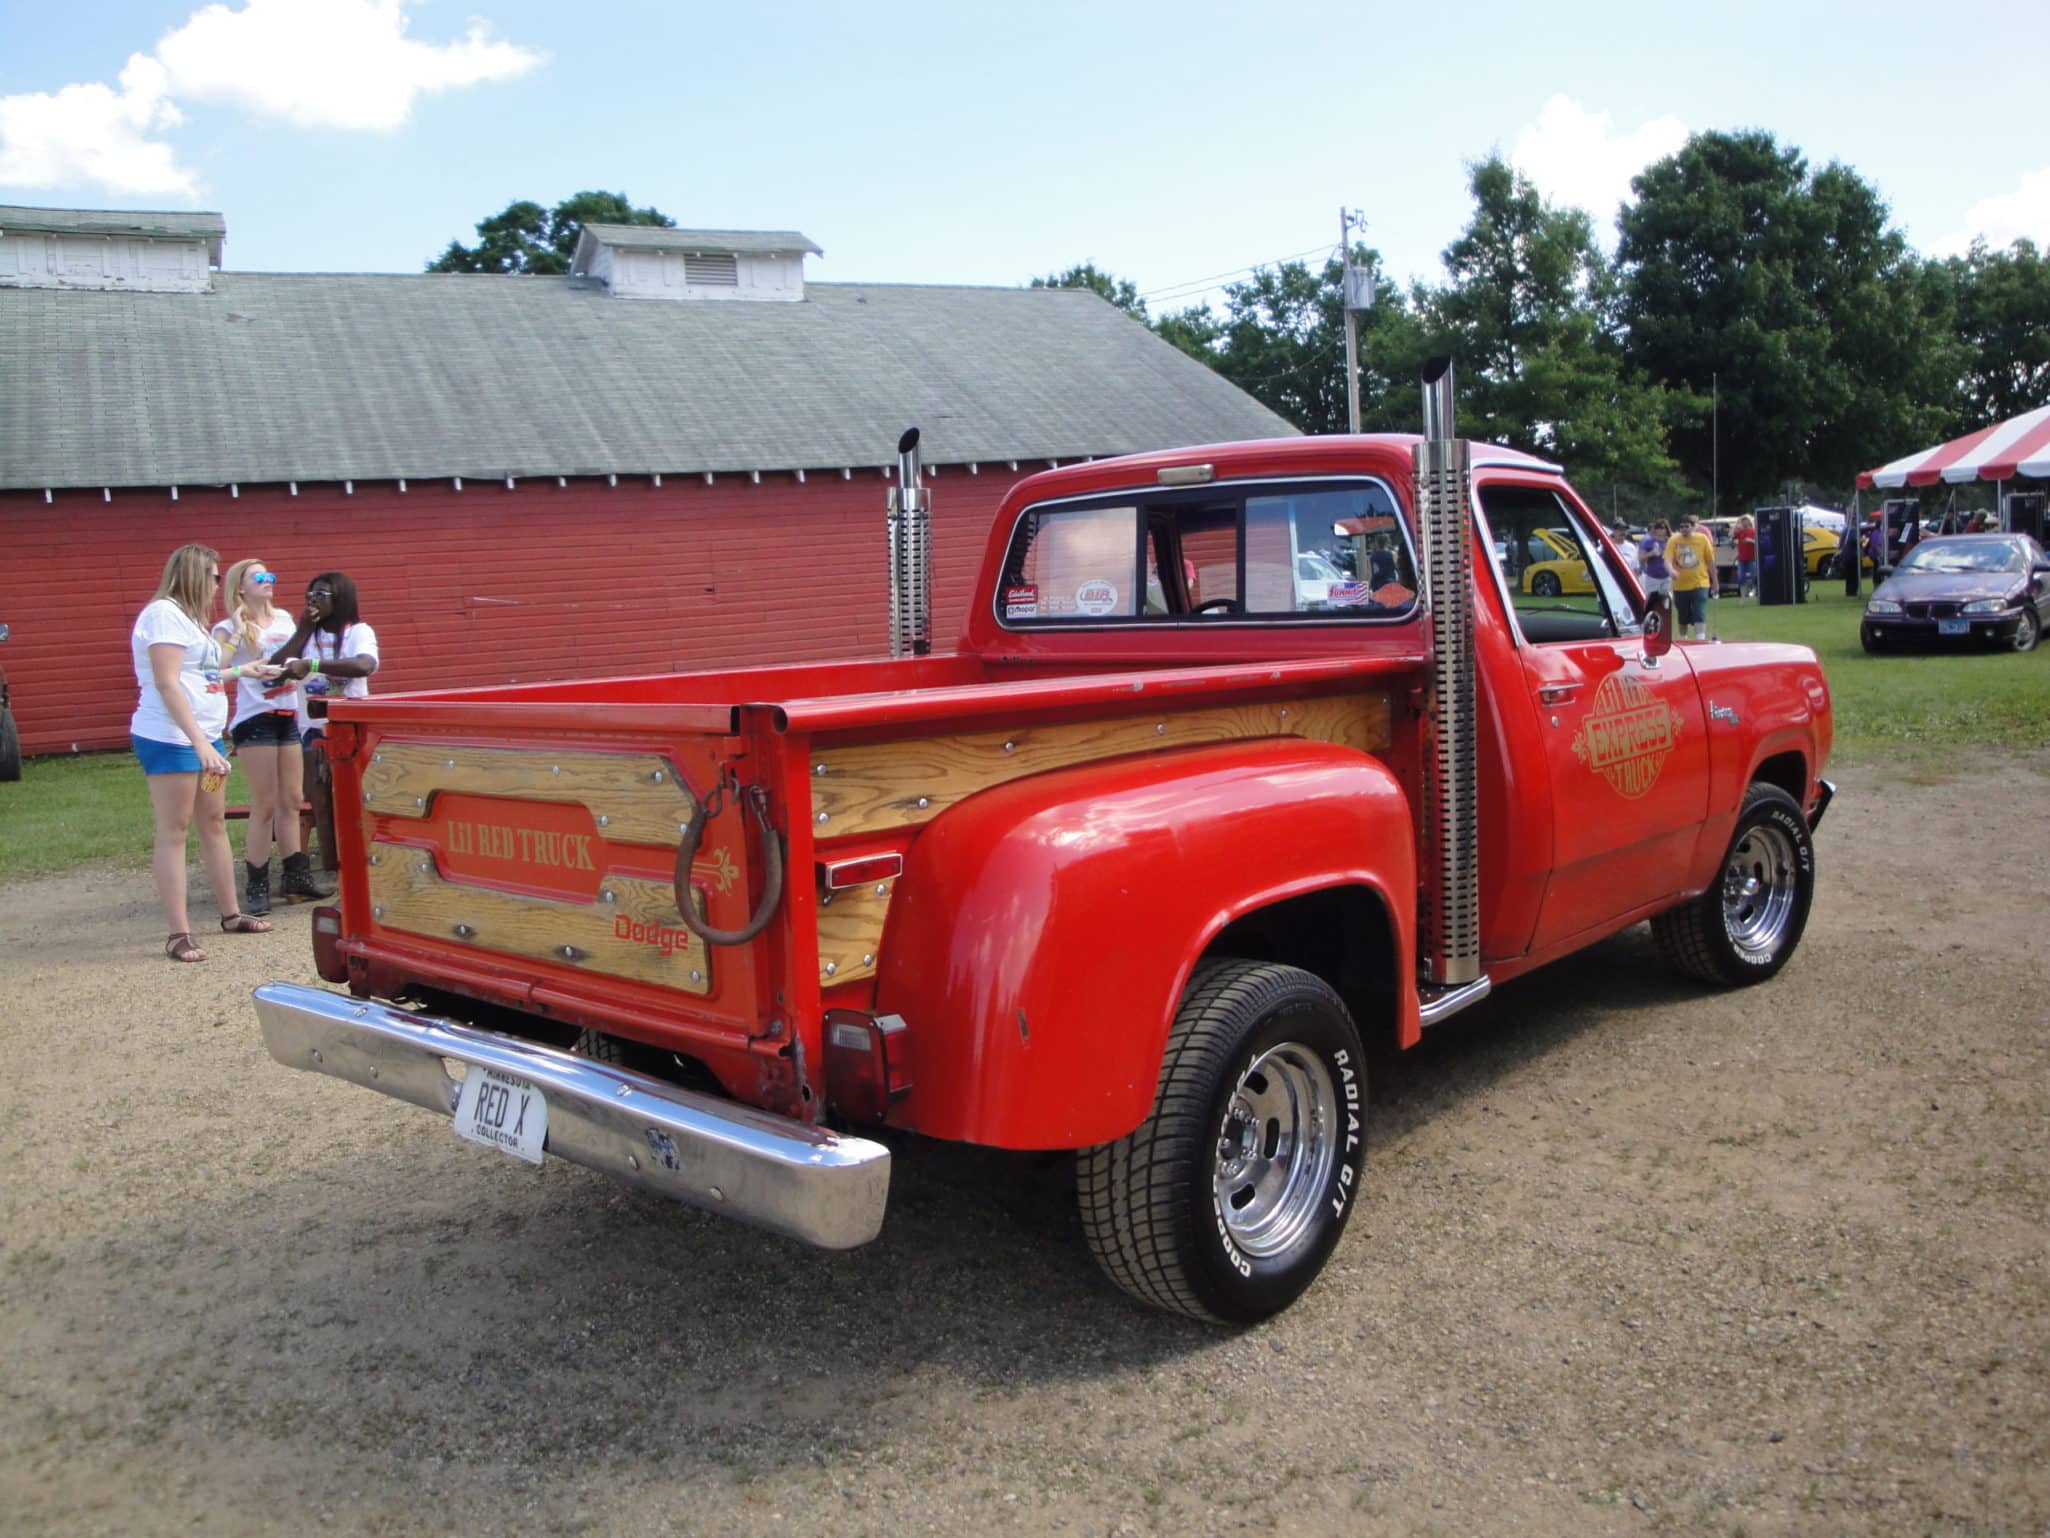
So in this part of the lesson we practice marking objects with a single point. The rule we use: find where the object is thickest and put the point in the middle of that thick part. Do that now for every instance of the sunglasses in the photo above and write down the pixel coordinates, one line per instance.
(263, 579)
(320, 592)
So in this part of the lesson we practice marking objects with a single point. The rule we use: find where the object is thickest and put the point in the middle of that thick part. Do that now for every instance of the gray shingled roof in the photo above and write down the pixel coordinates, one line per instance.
(307, 377)
(659, 237)
(113, 221)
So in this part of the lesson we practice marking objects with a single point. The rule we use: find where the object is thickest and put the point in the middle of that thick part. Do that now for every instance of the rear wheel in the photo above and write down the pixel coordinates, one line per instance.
(1226, 1202)
(1743, 928)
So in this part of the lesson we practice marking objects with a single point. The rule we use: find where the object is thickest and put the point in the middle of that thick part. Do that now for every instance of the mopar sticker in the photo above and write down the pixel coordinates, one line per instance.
(1021, 603)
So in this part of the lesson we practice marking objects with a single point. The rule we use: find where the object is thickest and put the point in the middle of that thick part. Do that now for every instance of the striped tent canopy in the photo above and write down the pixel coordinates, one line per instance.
(2020, 446)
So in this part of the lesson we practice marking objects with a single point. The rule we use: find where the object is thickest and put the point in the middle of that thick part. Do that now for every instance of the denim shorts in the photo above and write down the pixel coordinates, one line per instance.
(1691, 605)
(169, 757)
(267, 729)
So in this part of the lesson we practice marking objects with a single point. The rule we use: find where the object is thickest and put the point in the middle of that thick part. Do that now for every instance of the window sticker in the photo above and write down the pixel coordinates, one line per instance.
(1098, 597)
(1021, 603)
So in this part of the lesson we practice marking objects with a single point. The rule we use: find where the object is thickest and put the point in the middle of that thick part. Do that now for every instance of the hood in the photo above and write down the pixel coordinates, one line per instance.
(1948, 587)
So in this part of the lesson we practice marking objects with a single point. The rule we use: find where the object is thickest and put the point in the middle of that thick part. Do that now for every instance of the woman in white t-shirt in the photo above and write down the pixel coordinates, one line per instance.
(265, 731)
(333, 653)
(181, 711)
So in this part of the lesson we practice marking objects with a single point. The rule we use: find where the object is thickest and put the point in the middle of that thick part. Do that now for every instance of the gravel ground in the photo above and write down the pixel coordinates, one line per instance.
(1633, 1257)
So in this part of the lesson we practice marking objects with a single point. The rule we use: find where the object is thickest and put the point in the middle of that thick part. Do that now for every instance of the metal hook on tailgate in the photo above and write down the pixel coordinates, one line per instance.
(757, 799)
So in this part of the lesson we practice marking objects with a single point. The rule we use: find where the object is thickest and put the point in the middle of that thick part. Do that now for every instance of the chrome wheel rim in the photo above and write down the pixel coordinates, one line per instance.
(1760, 879)
(2025, 632)
(1276, 1144)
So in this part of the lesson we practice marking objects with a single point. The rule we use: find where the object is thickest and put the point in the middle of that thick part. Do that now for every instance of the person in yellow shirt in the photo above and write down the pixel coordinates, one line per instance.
(1691, 556)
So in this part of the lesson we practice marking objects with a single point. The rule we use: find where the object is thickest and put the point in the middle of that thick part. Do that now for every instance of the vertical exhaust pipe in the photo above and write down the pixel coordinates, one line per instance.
(1444, 502)
(910, 554)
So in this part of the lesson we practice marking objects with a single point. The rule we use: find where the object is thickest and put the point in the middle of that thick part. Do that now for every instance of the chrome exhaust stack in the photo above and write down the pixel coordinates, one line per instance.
(1450, 942)
(910, 523)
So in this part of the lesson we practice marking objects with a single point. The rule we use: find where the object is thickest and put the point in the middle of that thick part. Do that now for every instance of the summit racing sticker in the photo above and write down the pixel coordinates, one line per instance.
(1627, 736)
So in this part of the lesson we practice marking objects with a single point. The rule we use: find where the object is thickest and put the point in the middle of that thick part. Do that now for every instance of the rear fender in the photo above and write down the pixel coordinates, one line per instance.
(1043, 931)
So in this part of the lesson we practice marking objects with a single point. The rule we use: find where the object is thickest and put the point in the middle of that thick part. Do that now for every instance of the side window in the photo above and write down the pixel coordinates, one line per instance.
(1561, 588)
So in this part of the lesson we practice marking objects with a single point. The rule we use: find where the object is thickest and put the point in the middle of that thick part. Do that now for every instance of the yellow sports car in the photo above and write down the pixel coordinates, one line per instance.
(1556, 565)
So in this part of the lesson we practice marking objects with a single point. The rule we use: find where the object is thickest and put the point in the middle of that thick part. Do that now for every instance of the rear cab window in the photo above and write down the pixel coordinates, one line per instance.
(1299, 550)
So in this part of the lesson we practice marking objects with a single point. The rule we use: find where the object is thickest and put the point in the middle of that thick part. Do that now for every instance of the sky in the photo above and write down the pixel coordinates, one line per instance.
(1177, 145)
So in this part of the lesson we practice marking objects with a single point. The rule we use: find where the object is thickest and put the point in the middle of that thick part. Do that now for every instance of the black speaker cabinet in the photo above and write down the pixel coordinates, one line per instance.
(1781, 561)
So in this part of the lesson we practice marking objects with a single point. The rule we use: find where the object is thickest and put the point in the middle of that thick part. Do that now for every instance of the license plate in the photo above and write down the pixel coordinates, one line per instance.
(1953, 627)
(502, 1112)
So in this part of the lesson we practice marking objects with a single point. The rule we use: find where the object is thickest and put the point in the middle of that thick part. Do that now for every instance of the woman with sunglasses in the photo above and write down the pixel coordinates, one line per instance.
(331, 645)
(265, 731)
(181, 711)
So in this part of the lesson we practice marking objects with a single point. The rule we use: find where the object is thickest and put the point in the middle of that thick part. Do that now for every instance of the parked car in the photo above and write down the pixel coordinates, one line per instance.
(10, 738)
(1557, 564)
(1993, 588)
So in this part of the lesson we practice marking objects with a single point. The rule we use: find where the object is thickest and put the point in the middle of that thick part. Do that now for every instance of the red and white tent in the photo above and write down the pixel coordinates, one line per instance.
(2018, 446)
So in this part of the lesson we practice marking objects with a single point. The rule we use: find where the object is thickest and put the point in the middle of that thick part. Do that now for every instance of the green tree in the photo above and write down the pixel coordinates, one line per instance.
(527, 238)
(2003, 323)
(1523, 316)
(1122, 292)
(1282, 341)
(1827, 342)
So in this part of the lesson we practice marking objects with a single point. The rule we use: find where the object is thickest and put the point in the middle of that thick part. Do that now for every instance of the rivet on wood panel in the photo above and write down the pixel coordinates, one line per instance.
(655, 775)
(608, 895)
(464, 932)
(696, 976)
(378, 758)
(604, 821)
(451, 763)
(420, 801)
(557, 768)
(825, 899)
(832, 967)
(570, 953)
(1010, 747)
(366, 798)
(868, 961)
(923, 803)
(1160, 730)
(818, 768)
(377, 910)
(881, 890)
(377, 859)
(825, 817)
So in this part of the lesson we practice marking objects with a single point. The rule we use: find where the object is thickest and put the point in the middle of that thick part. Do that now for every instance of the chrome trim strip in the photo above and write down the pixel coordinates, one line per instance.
(1453, 1000)
(806, 1182)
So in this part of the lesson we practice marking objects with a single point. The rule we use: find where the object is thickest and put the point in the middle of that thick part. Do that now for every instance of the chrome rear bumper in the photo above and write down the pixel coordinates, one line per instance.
(806, 1182)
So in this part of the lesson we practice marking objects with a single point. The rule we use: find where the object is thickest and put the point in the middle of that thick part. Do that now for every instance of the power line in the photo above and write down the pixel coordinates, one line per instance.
(1197, 285)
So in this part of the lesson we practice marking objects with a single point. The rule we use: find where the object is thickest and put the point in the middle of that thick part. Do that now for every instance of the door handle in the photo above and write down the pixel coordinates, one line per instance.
(1556, 694)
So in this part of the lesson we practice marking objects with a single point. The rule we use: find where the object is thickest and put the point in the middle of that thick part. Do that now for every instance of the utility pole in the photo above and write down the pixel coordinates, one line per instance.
(1358, 289)
(1715, 445)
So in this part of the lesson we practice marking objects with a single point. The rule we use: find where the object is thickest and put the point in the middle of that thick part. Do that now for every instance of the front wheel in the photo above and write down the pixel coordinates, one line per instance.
(1743, 928)
(2027, 631)
(1546, 585)
(1225, 1203)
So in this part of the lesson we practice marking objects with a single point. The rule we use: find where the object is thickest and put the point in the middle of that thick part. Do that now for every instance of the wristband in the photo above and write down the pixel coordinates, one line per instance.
(233, 672)
(313, 665)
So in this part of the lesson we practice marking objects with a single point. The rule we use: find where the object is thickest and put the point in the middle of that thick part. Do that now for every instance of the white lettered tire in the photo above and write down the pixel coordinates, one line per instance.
(1226, 1202)
(1745, 927)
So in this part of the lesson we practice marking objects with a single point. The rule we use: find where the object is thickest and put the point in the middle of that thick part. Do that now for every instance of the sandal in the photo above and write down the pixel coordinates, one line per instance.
(181, 947)
(243, 924)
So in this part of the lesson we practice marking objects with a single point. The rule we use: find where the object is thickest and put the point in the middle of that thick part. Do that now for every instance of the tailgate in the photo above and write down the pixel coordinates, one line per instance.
(541, 874)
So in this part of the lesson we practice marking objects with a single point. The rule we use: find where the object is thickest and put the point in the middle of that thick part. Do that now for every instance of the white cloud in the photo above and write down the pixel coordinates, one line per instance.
(1576, 157)
(94, 134)
(2006, 217)
(344, 64)
(327, 63)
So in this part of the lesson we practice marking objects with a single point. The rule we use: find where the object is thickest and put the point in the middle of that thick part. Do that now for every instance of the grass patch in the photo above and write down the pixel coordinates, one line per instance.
(1914, 708)
(76, 809)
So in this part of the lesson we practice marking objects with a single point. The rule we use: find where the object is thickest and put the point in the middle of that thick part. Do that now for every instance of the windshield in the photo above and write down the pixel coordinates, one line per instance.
(1961, 555)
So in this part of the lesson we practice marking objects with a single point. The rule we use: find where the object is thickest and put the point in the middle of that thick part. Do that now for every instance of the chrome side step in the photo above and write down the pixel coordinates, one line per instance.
(1436, 1004)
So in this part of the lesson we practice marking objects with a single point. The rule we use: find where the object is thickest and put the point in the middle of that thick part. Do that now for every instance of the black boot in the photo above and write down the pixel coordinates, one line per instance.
(256, 888)
(298, 884)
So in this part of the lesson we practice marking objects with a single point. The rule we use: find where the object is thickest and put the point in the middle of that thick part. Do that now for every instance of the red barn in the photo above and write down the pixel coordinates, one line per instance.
(677, 457)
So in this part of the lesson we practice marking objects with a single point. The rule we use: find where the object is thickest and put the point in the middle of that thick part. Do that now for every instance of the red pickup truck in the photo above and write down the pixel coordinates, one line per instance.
(1136, 870)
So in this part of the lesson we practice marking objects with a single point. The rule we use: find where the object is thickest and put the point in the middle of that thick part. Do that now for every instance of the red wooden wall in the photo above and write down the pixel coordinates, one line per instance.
(485, 585)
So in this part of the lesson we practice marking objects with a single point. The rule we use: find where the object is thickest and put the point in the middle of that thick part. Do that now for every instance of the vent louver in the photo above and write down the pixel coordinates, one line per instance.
(711, 270)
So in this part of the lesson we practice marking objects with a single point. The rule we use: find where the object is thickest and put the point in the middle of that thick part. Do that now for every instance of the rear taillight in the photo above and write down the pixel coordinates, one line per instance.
(868, 1063)
(327, 945)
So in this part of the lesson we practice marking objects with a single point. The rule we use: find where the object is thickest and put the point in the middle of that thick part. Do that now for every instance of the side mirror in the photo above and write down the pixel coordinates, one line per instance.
(1658, 625)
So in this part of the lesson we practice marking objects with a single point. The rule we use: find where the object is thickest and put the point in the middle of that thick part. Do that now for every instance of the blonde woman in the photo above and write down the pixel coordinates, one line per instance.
(264, 726)
(180, 712)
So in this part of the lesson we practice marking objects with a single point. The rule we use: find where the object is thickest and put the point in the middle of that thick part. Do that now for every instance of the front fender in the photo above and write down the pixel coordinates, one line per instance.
(1043, 931)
